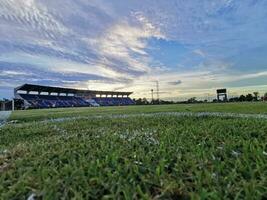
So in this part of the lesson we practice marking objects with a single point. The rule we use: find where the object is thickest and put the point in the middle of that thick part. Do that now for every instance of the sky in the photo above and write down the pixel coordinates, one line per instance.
(190, 47)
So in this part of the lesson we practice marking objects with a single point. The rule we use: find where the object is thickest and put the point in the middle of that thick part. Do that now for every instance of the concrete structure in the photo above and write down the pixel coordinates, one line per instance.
(39, 89)
(222, 93)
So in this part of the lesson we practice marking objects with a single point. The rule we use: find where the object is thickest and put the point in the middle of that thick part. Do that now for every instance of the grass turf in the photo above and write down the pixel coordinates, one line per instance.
(33, 115)
(155, 157)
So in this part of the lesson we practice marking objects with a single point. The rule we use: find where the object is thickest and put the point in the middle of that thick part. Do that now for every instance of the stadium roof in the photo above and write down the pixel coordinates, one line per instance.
(40, 88)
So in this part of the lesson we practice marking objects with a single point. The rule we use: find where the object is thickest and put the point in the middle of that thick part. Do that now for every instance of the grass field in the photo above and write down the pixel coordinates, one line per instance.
(135, 156)
(34, 115)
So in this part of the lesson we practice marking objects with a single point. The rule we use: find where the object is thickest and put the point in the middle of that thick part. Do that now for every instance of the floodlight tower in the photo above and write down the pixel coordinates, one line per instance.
(152, 95)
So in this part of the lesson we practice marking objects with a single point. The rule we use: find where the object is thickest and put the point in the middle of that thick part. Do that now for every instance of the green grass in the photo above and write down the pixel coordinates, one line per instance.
(155, 157)
(251, 108)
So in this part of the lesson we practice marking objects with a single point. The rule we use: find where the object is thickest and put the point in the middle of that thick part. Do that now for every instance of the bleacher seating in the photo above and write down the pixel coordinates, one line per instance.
(93, 102)
(49, 101)
(109, 101)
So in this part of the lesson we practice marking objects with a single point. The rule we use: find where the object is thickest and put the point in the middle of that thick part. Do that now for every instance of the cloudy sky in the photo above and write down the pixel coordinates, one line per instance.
(191, 47)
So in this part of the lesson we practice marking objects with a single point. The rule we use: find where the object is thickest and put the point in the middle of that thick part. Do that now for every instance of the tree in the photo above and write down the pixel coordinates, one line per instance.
(192, 100)
(140, 101)
(264, 98)
(234, 99)
(145, 101)
(249, 97)
(256, 96)
(242, 98)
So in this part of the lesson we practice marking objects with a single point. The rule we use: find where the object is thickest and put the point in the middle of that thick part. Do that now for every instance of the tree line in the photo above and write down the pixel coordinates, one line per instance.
(249, 97)
(242, 98)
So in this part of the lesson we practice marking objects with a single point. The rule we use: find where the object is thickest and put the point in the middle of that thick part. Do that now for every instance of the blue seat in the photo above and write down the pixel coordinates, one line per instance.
(48, 101)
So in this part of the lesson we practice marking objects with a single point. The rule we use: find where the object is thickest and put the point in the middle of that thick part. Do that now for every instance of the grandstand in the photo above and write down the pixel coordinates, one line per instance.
(38, 96)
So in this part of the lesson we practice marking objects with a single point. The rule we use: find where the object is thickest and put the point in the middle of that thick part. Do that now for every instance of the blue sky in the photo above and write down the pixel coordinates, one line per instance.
(191, 47)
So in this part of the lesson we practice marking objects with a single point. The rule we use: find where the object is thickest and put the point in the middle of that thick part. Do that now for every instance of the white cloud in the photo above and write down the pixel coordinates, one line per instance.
(127, 45)
(199, 52)
(11, 73)
(31, 16)
(110, 39)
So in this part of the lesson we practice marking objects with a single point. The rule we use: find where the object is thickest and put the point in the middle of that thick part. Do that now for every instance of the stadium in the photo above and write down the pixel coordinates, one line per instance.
(134, 100)
(37, 96)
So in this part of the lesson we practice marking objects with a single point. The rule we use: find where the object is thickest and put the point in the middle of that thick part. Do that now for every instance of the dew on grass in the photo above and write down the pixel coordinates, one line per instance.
(235, 153)
(32, 197)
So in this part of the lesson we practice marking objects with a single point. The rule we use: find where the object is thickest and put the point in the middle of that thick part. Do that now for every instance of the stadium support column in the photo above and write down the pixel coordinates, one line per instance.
(15, 92)
(13, 104)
